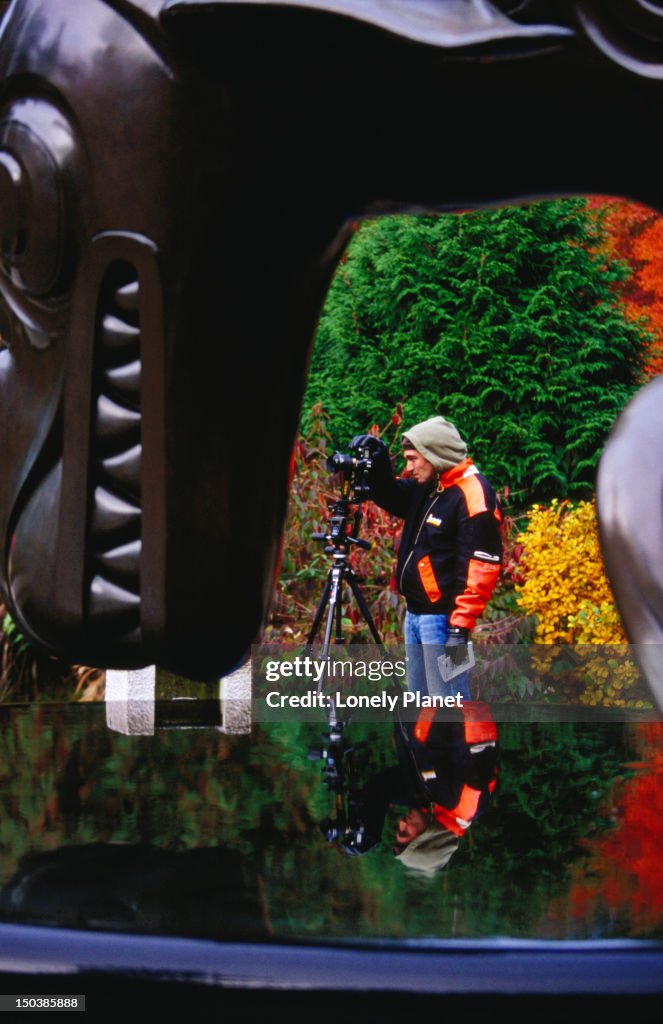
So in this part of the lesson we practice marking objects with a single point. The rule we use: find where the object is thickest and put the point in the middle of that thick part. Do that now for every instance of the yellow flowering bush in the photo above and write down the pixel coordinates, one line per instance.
(563, 576)
(565, 587)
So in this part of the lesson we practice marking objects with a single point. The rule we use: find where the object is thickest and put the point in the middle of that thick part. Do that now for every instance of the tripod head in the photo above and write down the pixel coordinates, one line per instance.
(343, 524)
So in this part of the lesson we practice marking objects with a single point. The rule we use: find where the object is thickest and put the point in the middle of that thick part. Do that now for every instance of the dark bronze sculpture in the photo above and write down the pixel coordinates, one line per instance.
(177, 181)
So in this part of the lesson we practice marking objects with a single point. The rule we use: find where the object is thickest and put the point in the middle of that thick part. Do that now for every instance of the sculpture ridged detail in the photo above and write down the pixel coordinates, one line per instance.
(115, 520)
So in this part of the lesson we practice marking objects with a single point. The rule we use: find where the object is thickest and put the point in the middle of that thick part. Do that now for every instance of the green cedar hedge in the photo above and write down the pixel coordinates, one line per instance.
(504, 320)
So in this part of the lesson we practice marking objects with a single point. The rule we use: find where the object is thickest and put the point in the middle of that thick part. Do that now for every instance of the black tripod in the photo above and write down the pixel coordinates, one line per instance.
(340, 537)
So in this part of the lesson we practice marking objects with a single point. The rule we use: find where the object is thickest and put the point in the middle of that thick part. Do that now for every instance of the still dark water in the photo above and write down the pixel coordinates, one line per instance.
(194, 832)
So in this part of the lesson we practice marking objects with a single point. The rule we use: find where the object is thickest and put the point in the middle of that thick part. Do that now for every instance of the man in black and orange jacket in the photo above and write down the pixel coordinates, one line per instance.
(450, 551)
(445, 777)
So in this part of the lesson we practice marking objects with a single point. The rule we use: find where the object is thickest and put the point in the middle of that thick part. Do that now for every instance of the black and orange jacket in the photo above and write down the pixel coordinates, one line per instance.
(447, 764)
(455, 760)
(450, 552)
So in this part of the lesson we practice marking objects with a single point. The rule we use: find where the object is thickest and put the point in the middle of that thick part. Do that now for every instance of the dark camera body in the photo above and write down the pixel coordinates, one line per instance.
(355, 469)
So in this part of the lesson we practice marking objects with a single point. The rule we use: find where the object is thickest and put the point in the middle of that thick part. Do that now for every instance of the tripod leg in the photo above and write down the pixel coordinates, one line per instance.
(339, 612)
(334, 607)
(363, 607)
(331, 618)
(320, 610)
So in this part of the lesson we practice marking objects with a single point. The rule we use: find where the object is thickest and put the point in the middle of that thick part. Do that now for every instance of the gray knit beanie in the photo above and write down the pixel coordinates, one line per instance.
(438, 441)
(430, 851)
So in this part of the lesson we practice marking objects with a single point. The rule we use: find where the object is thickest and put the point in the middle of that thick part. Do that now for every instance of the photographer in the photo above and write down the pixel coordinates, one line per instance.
(450, 551)
(446, 775)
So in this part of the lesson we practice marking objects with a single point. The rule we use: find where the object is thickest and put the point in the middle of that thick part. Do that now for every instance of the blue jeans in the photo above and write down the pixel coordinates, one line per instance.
(425, 636)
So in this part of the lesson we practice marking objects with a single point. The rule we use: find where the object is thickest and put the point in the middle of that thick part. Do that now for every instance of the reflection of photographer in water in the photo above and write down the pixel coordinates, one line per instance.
(450, 767)
(444, 780)
(450, 553)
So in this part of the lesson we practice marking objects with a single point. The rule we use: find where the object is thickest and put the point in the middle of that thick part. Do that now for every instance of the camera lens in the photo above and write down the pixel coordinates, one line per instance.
(342, 463)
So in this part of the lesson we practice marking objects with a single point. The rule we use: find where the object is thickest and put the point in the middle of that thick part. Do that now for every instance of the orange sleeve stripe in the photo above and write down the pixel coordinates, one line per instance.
(465, 810)
(476, 730)
(427, 577)
(424, 722)
(467, 806)
(474, 496)
(479, 723)
(447, 820)
(482, 577)
(467, 611)
(481, 581)
(480, 732)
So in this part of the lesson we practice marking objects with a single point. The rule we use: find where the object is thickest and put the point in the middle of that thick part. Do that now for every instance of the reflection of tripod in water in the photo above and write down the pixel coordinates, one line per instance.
(341, 534)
